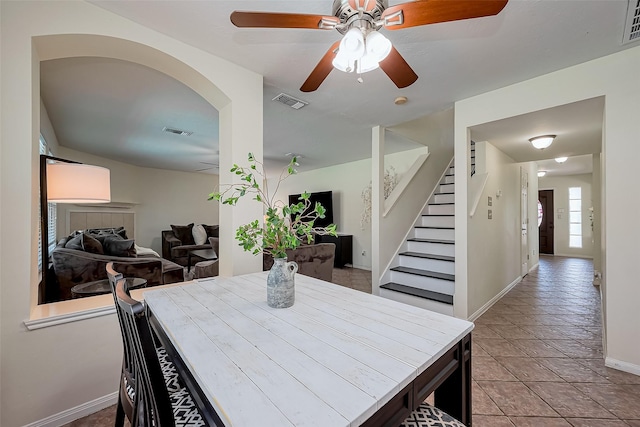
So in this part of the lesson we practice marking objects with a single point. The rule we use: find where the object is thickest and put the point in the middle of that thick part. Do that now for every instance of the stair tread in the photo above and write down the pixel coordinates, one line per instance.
(437, 228)
(416, 239)
(425, 273)
(422, 293)
(438, 215)
(442, 194)
(442, 203)
(428, 256)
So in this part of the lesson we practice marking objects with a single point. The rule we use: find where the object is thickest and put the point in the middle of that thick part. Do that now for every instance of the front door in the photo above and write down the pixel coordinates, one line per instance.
(546, 226)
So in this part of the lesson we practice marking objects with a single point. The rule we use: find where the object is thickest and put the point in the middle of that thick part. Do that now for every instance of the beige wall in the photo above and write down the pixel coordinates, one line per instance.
(560, 186)
(158, 197)
(48, 371)
(494, 245)
(615, 77)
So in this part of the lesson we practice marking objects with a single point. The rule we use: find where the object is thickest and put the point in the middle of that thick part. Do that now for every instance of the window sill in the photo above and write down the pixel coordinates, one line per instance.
(59, 313)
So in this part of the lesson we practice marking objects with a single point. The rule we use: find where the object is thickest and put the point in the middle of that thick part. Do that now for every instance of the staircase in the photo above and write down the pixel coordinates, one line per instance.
(424, 269)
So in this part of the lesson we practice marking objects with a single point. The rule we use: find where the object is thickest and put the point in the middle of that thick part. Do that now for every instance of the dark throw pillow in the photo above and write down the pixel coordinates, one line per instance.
(212, 230)
(86, 243)
(184, 233)
(115, 245)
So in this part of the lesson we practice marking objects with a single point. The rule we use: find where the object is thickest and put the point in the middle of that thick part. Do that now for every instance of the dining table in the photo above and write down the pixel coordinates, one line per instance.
(337, 357)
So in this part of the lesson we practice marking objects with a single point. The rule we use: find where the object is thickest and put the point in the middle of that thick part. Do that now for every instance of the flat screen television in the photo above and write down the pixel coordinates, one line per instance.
(325, 198)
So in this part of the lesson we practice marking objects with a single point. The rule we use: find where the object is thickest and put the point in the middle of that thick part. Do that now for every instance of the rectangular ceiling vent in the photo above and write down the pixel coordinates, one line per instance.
(632, 27)
(292, 102)
(177, 131)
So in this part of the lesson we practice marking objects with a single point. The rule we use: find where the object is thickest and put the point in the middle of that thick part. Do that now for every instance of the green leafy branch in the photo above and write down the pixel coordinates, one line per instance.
(285, 226)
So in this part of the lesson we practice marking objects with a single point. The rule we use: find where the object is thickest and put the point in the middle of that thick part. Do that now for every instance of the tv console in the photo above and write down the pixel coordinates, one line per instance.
(344, 248)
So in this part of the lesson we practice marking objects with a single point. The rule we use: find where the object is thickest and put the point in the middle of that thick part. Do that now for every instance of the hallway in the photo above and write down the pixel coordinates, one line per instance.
(537, 356)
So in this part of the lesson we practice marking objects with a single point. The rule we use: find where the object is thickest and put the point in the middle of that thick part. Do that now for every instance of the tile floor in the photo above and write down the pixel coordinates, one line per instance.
(537, 355)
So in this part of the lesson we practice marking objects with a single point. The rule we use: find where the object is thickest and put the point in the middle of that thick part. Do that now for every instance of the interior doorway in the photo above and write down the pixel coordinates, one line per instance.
(524, 222)
(545, 226)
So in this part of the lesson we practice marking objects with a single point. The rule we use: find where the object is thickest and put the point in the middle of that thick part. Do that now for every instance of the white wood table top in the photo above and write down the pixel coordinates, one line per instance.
(332, 359)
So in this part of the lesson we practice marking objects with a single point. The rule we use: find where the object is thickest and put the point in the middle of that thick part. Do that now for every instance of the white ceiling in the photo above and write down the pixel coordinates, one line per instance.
(578, 130)
(453, 60)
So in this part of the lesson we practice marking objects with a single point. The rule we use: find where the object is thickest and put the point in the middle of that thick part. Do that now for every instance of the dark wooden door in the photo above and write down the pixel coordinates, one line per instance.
(545, 231)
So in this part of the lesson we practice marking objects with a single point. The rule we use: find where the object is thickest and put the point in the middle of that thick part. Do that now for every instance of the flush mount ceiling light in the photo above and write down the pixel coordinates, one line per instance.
(542, 142)
(541, 174)
(561, 159)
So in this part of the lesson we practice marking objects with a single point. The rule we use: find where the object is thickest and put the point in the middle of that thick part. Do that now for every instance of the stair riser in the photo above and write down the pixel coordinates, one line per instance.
(431, 248)
(417, 302)
(421, 282)
(444, 198)
(438, 221)
(449, 179)
(441, 209)
(447, 267)
(434, 233)
(447, 188)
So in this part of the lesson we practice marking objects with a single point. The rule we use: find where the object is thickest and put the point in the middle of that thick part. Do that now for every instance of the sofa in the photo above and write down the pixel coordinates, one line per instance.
(74, 265)
(179, 241)
(313, 260)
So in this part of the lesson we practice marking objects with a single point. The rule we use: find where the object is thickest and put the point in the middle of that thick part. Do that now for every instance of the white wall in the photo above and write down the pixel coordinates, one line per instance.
(159, 197)
(494, 245)
(560, 186)
(615, 77)
(347, 182)
(47, 371)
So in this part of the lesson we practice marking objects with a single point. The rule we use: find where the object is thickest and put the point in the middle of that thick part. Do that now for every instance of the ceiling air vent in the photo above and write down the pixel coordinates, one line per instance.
(632, 27)
(291, 101)
(177, 131)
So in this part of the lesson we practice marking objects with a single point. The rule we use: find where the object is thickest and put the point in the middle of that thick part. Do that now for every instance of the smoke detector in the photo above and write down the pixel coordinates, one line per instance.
(289, 100)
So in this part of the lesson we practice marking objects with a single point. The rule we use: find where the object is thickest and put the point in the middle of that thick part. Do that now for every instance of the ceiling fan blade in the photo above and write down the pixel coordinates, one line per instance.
(321, 71)
(424, 12)
(283, 20)
(398, 70)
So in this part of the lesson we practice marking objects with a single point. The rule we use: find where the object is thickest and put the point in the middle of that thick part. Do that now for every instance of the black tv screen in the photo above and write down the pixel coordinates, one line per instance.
(325, 198)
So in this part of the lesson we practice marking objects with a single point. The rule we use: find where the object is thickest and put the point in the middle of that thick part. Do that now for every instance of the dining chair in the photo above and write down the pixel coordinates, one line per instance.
(426, 415)
(151, 392)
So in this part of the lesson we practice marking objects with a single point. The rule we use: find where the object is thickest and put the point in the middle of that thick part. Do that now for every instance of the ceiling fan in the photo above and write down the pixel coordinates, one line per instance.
(362, 47)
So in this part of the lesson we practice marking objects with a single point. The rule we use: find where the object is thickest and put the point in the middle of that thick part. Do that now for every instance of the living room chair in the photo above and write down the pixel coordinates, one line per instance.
(151, 391)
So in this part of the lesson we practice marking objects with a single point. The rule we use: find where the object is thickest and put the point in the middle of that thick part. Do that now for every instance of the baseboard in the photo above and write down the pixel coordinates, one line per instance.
(77, 412)
(575, 256)
(493, 300)
(534, 266)
(622, 366)
(362, 267)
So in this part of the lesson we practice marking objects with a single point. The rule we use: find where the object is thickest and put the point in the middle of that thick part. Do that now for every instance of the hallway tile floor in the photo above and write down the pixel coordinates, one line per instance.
(537, 355)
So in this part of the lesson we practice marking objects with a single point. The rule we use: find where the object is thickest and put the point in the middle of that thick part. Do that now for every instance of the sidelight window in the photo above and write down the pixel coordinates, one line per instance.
(575, 217)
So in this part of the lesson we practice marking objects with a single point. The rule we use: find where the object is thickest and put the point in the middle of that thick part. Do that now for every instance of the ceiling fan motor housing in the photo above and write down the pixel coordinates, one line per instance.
(358, 13)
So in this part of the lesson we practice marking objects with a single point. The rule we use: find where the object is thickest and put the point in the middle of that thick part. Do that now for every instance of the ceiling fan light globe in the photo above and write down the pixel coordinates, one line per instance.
(352, 44)
(367, 63)
(342, 63)
(378, 45)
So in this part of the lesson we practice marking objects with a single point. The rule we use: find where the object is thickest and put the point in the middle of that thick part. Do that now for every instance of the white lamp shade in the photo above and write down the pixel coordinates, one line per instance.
(541, 142)
(342, 63)
(367, 63)
(78, 183)
(352, 44)
(378, 46)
